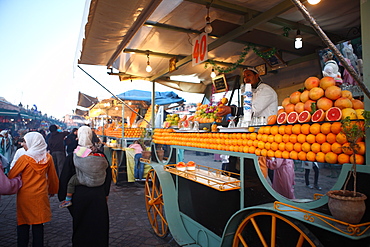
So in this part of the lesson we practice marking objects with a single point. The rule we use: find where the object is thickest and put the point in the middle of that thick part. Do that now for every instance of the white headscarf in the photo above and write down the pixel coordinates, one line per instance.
(84, 135)
(36, 146)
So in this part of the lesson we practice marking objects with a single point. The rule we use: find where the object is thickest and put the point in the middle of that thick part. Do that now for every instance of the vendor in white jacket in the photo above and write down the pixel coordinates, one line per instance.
(264, 101)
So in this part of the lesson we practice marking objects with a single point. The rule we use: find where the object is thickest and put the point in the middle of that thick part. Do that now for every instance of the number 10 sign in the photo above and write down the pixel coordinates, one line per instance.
(200, 49)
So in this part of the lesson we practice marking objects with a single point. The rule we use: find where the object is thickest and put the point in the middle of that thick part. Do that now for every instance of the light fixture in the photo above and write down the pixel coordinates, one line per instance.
(313, 2)
(148, 67)
(208, 27)
(298, 40)
(213, 73)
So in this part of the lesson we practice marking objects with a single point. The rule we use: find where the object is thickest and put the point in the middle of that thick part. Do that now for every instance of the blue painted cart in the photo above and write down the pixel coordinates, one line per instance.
(211, 207)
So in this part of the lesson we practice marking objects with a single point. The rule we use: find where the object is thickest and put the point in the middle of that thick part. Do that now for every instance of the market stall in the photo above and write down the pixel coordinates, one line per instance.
(201, 206)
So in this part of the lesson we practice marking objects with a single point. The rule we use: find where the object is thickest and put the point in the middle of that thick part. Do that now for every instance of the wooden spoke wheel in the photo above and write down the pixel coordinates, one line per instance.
(155, 205)
(114, 166)
(269, 229)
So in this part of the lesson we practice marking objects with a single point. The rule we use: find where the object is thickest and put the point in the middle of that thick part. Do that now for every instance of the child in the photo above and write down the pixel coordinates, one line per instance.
(90, 171)
(139, 168)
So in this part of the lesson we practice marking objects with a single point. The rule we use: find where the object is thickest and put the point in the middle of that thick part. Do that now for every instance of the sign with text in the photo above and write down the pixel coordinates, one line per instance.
(200, 49)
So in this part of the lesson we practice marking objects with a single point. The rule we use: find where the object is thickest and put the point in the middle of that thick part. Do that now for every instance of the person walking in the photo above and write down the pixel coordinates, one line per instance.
(71, 141)
(55, 141)
(89, 209)
(6, 147)
(40, 181)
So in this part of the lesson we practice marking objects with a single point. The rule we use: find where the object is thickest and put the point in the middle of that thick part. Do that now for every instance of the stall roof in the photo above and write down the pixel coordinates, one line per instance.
(119, 34)
(161, 98)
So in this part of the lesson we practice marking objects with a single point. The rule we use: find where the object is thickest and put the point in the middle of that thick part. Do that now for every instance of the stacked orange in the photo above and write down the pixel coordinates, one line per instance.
(322, 95)
(321, 142)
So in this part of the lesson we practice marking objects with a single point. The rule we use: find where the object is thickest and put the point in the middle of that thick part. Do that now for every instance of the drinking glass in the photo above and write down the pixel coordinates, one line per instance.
(232, 122)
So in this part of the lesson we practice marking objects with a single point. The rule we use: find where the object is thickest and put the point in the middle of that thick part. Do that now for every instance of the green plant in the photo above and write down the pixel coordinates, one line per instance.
(354, 130)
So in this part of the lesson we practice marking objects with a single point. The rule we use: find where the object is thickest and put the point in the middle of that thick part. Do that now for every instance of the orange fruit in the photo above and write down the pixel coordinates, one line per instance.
(289, 108)
(336, 127)
(281, 146)
(282, 129)
(310, 138)
(285, 138)
(251, 129)
(316, 93)
(315, 128)
(325, 147)
(274, 146)
(361, 148)
(293, 155)
(289, 146)
(336, 148)
(285, 154)
(259, 136)
(343, 102)
(359, 159)
(288, 129)
(263, 152)
(316, 147)
(324, 103)
(301, 138)
(357, 104)
(310, 156)
(293, 138)
(343, 158)
(251, 149)
(341, 138)
(297, 147)
(270, 138)
(250, 143)
(261, 130)
(308, 105)
(302, 155)
(331, 138)
(285, 101)
(306, 147)
(274, 130)
(333, 92)
(331, 158)
(278, 154)
(295, 97)
(305, 129)
(270, 153)
(311, 82)
(265, 137)
(261, 145)
(325, 128)
(255, 143)
(267, 145)
(326, 82)
(304, 96)
(320, 157)
(278, 138)
(296, 129)
(267, 130)
(271, 119)
(257, 152)
(253, 136)
(299, 107)
(346, 149)
(320, 138)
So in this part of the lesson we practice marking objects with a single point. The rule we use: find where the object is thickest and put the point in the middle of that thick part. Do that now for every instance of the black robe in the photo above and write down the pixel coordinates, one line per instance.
(89, 208)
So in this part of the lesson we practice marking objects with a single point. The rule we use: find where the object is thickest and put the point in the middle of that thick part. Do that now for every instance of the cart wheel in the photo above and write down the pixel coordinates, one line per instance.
(271, 229)
(155, 205)
(114, 166)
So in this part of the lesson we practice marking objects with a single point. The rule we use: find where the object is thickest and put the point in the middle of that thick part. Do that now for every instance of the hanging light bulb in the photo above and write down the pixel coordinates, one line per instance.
(213, 73)
(208, 27)
(313, 2)
(298, 40)
(148, 67)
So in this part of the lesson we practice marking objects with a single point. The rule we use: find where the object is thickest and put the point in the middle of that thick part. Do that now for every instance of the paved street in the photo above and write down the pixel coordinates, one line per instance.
(129, 225)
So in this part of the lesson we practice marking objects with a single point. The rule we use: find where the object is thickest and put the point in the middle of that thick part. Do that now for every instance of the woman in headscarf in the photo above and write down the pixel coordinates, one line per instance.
(89, 207)
(39, 179)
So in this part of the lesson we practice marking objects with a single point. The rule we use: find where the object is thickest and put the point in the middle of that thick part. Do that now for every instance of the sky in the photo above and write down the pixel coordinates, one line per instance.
(38, 46)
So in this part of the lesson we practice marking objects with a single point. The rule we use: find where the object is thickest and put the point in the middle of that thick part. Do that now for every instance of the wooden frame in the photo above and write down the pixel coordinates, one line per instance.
(220, 83)
(275, 61)
(172, 64)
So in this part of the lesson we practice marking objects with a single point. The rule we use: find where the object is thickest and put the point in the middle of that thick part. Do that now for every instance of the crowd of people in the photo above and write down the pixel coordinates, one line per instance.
(63, 163)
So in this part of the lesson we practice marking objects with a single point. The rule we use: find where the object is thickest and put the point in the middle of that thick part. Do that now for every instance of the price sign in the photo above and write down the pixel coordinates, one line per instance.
(200, 49)
(220, 83)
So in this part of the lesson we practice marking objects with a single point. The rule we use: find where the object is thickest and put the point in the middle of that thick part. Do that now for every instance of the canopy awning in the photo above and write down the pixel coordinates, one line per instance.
(121, 35)
(161, 98)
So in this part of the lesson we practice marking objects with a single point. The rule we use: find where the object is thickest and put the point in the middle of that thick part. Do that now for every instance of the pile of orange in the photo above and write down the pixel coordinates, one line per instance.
(321, 142)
